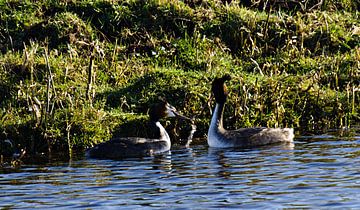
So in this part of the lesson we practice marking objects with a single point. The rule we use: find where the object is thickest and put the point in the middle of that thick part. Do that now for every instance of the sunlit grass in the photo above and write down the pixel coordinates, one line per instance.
(290, 67)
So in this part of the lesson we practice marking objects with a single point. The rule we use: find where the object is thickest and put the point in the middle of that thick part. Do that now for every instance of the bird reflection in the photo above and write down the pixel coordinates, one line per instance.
(280, 146)
(162, 162)
(223, 160)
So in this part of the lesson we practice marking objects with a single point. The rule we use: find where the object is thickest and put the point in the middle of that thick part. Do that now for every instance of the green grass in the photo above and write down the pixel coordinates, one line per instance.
(291, 65)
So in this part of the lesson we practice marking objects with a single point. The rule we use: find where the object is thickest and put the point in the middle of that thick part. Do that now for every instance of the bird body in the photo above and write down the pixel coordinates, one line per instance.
(128, 147)
(218, 136)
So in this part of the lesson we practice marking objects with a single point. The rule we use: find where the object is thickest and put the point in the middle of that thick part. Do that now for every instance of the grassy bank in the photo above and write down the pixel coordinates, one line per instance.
(74, 73)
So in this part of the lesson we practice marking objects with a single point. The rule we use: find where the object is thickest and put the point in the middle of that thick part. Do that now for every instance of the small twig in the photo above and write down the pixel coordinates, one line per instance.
(90, 76)
(317, 5)
(204, 105)
(190, 137)
(257, 66)
(193, 126)
(68, 129)
(50, 82)
(47, 87)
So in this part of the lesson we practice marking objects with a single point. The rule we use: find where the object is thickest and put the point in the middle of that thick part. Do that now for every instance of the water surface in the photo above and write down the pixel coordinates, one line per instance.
(318, 172)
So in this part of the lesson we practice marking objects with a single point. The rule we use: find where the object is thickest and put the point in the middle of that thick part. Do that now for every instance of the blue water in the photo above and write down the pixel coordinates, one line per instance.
(318, 172)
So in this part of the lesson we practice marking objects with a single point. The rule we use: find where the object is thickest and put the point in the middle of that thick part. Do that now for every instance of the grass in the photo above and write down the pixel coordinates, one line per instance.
(73, 74)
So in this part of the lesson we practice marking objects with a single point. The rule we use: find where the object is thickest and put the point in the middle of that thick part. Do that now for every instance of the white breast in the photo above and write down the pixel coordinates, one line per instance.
(214, 141)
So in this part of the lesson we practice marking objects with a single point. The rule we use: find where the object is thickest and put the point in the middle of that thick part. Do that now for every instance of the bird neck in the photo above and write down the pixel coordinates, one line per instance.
(217, 117)
(163, 134)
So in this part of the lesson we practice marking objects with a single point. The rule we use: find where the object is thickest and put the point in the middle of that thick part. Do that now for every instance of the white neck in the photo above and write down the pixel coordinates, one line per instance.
(215, 138)
(216, 121)
(163, 134)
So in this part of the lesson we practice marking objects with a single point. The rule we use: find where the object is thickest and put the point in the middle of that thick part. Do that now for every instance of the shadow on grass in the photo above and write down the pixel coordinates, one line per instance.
(139, 95)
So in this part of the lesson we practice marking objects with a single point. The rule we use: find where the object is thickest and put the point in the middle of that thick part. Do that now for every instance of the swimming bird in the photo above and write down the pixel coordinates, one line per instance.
(128, 147)
(218, 136)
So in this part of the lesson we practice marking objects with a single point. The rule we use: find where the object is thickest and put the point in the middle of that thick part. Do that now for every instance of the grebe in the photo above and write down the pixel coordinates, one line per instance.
(243, 137)
(127, 147)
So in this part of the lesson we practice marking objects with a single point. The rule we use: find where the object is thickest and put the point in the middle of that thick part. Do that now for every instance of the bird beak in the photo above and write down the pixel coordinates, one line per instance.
(178, 115)
(171, 112)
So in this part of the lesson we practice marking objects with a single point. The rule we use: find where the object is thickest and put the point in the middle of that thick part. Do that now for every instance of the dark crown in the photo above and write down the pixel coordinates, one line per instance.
(219, 88)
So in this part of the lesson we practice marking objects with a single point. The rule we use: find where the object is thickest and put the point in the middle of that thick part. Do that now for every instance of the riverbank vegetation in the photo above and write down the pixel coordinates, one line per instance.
(75, 73)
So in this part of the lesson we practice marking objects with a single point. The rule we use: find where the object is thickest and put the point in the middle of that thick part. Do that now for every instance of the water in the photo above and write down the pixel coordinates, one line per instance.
(321, 172)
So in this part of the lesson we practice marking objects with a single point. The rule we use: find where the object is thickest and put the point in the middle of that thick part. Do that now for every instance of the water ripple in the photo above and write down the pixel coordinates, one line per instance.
(317, 173)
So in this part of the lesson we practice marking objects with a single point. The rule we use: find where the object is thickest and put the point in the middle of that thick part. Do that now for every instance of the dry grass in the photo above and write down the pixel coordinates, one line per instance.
(74, 73)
